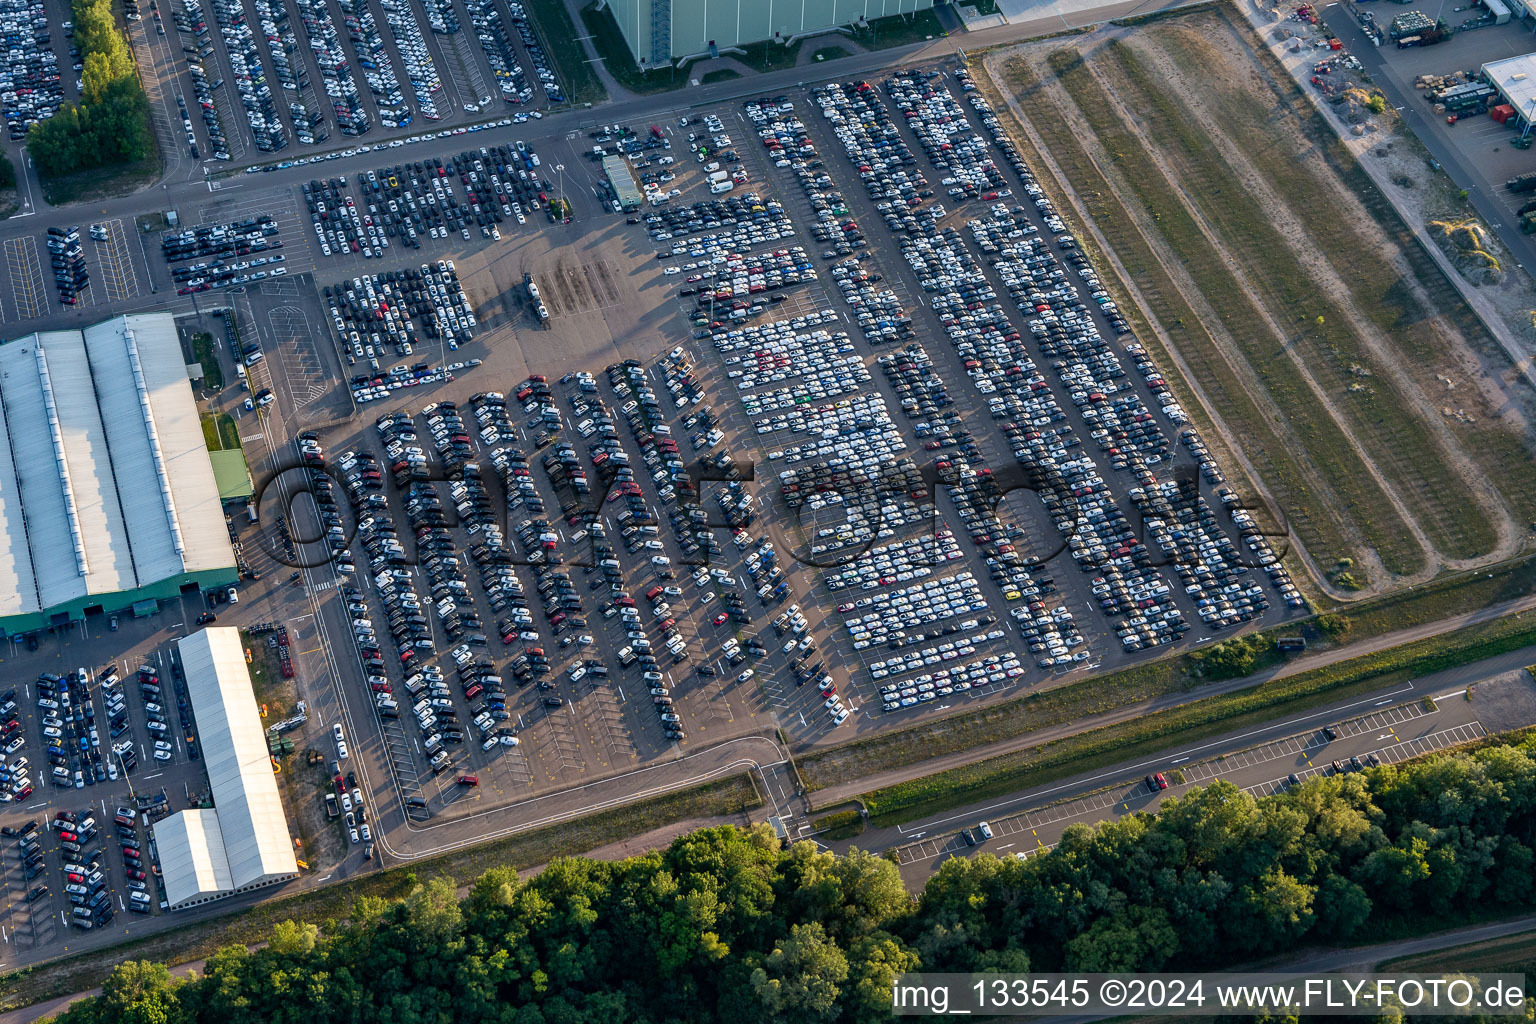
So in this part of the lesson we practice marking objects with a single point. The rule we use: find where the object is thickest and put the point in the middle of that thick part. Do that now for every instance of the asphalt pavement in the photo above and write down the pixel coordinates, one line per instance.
(1392, 723)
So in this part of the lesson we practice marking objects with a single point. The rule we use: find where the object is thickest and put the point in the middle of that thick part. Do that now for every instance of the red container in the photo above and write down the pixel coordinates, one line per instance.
(1501, 113)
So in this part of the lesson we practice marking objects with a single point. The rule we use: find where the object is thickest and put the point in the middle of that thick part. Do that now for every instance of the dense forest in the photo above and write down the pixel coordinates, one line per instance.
(726, 926)
(110, 124)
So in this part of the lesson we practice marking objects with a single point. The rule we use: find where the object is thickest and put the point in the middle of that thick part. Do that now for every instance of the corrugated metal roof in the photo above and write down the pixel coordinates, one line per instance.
(193, 863)
(40, 473)
(245, 795)
(130, 432)
(105, 478)
(1515, 78)
(18, 583)
(109, 562)
(183, 449)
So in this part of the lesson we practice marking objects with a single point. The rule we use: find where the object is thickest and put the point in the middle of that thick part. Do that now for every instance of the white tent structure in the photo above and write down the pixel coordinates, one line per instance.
(243, 842)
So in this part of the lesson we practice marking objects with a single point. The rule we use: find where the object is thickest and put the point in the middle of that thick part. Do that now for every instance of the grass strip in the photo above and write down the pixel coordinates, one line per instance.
(1375, 281)
(206, 355)
(899, 30)
(839, 825)
(198, 939)
(1511, 954)
(100, 183)
(1323, 440)
(1200, 719)
(768, 55)
(553, 23)
(1322, 332)
(611, 47)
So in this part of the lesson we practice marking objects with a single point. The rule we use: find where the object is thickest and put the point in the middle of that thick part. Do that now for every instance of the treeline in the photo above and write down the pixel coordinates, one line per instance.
(110, 124)
(726, 926)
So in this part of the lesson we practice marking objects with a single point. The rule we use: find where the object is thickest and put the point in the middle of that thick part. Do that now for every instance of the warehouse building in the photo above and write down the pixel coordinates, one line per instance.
(107, 497)
(242, 842)
(659, 31)
(1514, 78)
(623, 182)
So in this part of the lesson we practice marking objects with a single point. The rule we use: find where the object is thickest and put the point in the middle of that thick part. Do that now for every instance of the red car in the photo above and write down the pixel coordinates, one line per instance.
(469, 780)
(135, 874)
(26, 791)
(68, 837)
(720, 618)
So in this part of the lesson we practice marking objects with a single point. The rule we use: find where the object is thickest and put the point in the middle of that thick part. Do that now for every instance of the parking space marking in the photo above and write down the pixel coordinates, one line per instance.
(27, 283)
(116, 262)
(1214, 768)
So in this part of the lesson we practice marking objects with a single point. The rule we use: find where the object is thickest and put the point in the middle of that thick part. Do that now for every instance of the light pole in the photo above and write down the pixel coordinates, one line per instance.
(564, 206)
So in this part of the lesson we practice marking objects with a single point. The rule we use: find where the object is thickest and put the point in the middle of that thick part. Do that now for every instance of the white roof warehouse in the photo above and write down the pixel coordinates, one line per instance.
(107, 494)
(242, 843)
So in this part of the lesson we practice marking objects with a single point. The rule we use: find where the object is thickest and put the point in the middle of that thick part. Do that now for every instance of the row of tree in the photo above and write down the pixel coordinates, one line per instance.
(725, 925)
(110, 125)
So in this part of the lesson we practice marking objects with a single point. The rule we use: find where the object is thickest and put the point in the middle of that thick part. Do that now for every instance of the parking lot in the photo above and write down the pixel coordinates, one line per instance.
(1264, 770)
(123, 739)
(856, 427)
(228, 85)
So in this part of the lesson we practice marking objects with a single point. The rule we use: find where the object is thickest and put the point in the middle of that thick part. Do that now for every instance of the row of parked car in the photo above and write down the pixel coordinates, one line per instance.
(335, 71)
(31, 86)
(246, 68)
(67, 259)
(202, 88)
(543, 67)
(875, 145)
(397, 309)
(378, 67)
(419, 69)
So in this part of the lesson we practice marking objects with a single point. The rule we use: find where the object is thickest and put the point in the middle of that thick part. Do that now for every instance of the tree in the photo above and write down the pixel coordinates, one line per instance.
(139, 992)
(1141, 939)
(800, 981)
(291, 937)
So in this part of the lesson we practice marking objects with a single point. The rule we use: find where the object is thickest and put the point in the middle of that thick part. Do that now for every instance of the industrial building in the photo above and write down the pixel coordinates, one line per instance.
(1514, 78)
(108, 500)
(242, 842)
(659, 31)
(623, 182)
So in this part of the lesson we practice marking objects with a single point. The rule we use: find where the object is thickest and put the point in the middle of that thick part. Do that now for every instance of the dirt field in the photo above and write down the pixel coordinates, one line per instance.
(1340, 365)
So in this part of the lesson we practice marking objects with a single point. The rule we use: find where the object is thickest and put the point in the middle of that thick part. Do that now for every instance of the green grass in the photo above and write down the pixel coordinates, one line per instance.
(220, 433)
(609, 43)
(1375, 281)
(719, 75)
(100, 183)
(198, 939)
(830, 53)
(1381, 417)
(1323, 441)
(900, 30)
(1512, 954)
(767, 55)
(553, 23)
(204, 353)
(1200, 719)
(839, 825)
